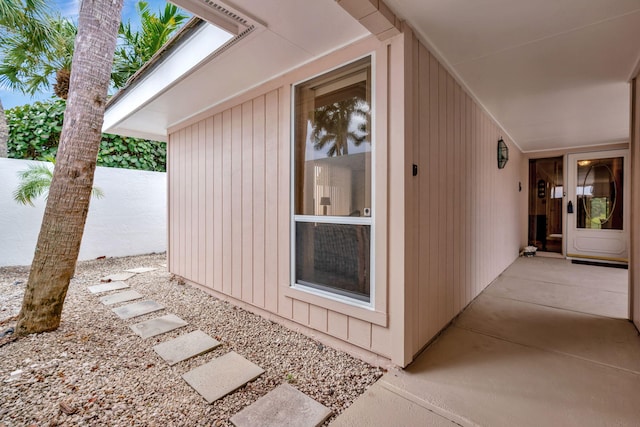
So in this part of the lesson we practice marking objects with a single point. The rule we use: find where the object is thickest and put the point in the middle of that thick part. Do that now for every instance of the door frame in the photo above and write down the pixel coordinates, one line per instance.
(530, 189)
(571, 195)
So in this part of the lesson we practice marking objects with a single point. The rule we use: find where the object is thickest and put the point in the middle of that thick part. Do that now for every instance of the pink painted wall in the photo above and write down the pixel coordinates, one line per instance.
(464, 221)
(440, 238)
(229, 208)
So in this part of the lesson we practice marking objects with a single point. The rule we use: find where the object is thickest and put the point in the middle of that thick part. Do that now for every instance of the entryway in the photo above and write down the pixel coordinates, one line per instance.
(546, 192)
(597, 218)
(547, 343)
(577, 206)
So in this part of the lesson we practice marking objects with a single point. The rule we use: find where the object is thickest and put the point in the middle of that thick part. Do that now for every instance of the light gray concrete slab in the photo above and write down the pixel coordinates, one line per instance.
(125, 296)
(282, 407)
(106, 287)
(222, 375)
(562, 271)
(117, 277)
(593, 301)
(185, 347)
(159, 325)
(141, 270)
(481, 380)
(137, 309)
(600, 339)
(380, 407)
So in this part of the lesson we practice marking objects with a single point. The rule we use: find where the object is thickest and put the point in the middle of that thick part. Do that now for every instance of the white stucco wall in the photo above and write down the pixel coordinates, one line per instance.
(129, 220)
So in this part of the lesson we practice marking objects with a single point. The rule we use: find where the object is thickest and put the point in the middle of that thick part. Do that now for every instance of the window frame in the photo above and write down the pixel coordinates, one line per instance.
(370, 220)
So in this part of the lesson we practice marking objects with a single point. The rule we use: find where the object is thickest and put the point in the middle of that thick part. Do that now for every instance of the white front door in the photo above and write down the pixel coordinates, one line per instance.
(597, 206)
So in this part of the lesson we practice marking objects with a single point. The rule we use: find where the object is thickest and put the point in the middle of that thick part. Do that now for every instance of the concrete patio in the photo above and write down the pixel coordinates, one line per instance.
(547, 343)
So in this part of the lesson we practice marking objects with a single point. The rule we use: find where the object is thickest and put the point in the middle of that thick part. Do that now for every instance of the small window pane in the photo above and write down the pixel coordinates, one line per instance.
(333, 144)
(334, 257)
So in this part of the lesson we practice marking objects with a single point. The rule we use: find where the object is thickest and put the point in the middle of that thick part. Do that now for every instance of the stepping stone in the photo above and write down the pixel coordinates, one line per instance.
(105, 287)
(120, 297)
(117, 277)
(222, 375)
(141, 270)
(185, 347)
(283, 406)
(137, 309)
(159, 325)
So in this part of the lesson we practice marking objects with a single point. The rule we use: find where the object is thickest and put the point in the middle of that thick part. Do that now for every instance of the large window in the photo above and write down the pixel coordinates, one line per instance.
(332, 182)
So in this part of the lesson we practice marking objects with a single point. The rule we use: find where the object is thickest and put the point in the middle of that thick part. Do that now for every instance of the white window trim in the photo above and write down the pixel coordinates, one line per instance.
(369, 306)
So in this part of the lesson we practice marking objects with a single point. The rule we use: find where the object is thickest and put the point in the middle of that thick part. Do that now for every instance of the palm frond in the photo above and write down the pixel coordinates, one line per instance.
(34, 182)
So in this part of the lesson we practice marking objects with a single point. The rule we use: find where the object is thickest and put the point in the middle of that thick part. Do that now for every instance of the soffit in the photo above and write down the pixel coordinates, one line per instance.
(553, 73)
(288, 33)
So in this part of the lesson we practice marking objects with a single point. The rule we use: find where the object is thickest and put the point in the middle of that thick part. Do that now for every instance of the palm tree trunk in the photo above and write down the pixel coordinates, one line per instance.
(68, 202)
(4, 132)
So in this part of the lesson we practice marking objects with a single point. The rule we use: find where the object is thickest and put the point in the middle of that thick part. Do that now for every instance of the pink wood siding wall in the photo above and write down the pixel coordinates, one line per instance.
(634, 261)
(229, 207)
(438, 243)
(464, 224)
(223, 205)
(227, 201)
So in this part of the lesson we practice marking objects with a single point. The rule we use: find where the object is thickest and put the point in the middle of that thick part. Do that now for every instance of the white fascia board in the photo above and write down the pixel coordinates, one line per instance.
(205, 41)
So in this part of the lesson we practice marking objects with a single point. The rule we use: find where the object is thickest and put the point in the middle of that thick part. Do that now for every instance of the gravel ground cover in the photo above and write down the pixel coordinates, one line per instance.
(94, 370)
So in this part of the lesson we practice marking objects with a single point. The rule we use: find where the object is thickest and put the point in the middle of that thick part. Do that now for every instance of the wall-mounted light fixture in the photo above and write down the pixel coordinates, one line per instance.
(503, 153)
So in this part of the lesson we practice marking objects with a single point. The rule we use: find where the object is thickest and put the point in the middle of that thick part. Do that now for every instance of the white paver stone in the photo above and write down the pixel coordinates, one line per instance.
(222, 375)
(117, 277)
(141, 270)
(125, 296)
(281, 407)
(137, 309)
(106, 287)
(185, 347)
(159, 325)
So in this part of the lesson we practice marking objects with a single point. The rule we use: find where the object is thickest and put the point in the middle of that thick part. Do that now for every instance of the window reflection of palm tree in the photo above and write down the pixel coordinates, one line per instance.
(332, 123)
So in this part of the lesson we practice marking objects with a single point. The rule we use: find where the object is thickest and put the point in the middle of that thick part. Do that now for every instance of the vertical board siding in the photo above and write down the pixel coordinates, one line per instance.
(229, 214)
(182, 226)
(259, 190)
(203, 183)
(248, 196)
(236, 201)
(216, 258)
(272, 201)
(468, 210)
(194, 205)
(209, 217)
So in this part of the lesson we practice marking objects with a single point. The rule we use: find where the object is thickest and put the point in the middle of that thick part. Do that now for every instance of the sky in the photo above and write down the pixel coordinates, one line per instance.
(69, 8)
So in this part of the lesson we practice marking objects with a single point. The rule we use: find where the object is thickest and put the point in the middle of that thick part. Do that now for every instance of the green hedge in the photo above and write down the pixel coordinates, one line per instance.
(34, 132)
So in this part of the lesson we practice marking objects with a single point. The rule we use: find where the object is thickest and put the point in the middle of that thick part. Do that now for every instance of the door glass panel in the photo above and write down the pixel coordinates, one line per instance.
(545, 203)
(600, 194)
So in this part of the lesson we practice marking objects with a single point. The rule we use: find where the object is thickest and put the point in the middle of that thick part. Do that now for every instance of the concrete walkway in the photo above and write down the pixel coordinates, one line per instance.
(545, 344)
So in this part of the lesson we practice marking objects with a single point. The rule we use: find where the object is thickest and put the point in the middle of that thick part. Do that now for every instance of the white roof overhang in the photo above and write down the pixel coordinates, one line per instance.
(197, 73)
(554, 73)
